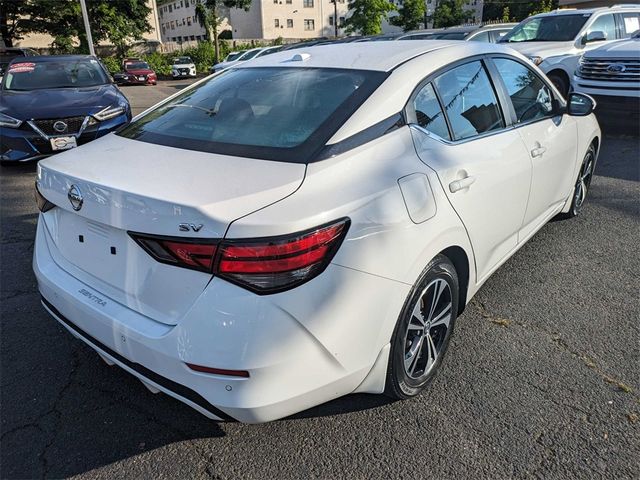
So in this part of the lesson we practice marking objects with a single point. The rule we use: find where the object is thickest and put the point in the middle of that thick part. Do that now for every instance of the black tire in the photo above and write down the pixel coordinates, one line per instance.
(401, 384)
(582, 185)
(561, 83)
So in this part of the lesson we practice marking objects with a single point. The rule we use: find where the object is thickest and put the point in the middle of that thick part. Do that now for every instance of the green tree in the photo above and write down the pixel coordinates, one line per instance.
(366, 16)
(543, 7)
(410, 15)
(15, 20)
(518, 9)
(118, 21)
(208, 17)
(506, 15)
(449, 13)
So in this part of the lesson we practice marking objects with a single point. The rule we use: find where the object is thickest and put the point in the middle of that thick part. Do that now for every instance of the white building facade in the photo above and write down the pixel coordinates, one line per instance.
(178, 23)
(296, 19)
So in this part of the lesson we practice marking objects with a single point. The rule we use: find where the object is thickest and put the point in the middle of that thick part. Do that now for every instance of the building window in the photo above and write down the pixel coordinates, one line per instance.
(193, 37)
(181, 4)
(186, 3)
(275, 1)
(289, 23)
(309, 24)
(341, 22)
(307, 3)
(331, 21)
(170, 9)
(276, 23)
(289, 2)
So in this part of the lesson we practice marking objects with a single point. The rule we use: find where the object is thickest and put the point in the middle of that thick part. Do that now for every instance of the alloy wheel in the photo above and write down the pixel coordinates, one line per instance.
(427, 329)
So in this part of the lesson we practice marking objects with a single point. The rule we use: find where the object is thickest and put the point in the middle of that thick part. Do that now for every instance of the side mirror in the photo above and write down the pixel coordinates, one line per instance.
(595, 36)
(580, 104)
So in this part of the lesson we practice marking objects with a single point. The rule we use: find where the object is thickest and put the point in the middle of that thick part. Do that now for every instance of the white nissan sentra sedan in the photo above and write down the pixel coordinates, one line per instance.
(308, 224)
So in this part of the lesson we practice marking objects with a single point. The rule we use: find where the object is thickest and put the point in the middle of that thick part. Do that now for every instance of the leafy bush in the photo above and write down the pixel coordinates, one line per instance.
(112, 64)
(160, 63)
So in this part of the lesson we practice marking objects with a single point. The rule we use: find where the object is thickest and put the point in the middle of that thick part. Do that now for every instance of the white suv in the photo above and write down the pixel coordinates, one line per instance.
(554, 41)
(612, 73)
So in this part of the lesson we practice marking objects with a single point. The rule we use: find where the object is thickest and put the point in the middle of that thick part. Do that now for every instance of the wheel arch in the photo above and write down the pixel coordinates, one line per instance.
(460, 261)
(561, 72)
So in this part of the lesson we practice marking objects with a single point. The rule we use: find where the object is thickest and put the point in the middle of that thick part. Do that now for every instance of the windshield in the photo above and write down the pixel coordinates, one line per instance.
(250, 54)
(450, 36)
(272, 113)
(136, 66)
(182, 60)
(58, 74)
(553, 28)
(233, 56)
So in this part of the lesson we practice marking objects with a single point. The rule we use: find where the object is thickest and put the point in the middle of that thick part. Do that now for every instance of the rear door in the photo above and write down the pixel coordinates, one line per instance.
(550, 140)
(482, 164)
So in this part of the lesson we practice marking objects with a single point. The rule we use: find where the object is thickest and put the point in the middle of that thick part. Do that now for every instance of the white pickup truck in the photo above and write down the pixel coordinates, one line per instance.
(555, 41)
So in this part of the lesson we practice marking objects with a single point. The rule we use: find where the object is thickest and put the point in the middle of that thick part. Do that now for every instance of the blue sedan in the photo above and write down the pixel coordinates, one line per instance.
(54, 103)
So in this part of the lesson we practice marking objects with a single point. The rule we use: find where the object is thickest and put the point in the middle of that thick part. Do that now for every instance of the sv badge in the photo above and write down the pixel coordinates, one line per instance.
(187, 227)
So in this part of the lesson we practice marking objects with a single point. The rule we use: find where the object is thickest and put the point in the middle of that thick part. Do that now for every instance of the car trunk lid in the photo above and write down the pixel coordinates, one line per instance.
(130, 186)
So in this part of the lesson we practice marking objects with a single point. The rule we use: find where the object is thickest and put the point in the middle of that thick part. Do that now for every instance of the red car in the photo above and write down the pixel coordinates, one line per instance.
(136, 72)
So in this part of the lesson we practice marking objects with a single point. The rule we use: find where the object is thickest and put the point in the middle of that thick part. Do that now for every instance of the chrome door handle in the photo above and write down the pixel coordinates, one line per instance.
(461, 184)
(537, 152)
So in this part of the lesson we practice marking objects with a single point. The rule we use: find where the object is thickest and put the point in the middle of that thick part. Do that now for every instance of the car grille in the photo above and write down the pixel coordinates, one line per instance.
(619, 70)
(184, 70)
(73, 125)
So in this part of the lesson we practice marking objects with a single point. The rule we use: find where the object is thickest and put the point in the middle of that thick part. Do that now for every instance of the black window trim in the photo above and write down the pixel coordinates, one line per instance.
(498, 89)
(558, 102)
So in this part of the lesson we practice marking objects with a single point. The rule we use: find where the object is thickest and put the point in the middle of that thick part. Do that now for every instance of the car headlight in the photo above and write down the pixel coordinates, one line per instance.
(7, 121)
(108, 113)
(536, 60)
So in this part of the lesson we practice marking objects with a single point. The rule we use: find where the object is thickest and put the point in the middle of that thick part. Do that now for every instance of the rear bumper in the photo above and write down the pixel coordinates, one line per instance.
(300, 349)
(23, 144)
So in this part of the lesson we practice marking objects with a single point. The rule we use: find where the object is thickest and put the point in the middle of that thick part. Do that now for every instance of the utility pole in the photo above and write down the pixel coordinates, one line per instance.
(87, 28)
(335, 17)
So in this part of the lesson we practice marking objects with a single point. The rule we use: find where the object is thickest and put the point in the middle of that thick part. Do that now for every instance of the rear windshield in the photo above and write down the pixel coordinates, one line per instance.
(553, 28)
(28, 75)
(274, 113)
(136, 66)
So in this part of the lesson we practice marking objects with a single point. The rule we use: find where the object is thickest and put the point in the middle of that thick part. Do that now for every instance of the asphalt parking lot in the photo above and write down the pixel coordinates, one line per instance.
(542, 378)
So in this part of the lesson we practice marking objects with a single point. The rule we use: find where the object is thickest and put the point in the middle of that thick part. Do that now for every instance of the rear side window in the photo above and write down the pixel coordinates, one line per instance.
(469, 100)
(531, 98)
(271, 113)
(481, 37)
(630, 24)
(429, 114)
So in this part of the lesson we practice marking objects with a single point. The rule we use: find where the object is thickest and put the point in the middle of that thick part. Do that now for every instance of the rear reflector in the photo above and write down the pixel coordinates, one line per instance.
(218, 371)
(266, 265)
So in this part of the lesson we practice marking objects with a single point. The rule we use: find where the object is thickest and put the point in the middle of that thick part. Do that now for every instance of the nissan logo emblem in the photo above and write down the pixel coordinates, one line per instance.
(60, 126)
(75, 197)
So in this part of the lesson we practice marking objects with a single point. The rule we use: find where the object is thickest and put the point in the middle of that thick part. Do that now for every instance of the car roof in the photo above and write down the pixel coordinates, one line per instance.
(378, 56)
(578, 11)
(466, 28)
(58, 58)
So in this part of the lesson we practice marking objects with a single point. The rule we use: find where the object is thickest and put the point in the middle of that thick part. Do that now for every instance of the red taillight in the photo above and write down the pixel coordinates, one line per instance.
(271, 265)
(195, 254)
(267, 265)
(218, 371)
(44, 205)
